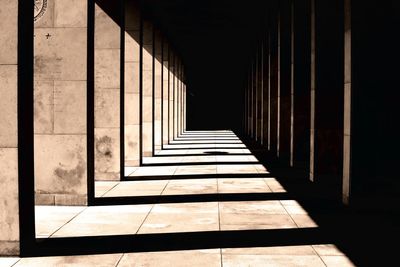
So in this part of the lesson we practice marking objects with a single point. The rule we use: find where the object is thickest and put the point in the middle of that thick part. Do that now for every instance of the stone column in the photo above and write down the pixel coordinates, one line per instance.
(107, 89)
(329, 96)
(184, 106)
(266, 91)
(312, 89)
(157, 91)
(132, 84)
(274, 79)
(171, 95)
(259, 95)
(285, 91)
(254, 99)
(175, 97)
(347, 103)
(60, 104)
(9, 190)
(302, 84)
(165, 91)
(178, 100)
(249, 102)
(147, 88)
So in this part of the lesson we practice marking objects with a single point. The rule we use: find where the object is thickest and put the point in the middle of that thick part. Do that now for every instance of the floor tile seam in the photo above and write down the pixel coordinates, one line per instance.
(68, 221)
(110, 189)
(144, 219)
(119, 260)
(15, 263)
(319, 256)
(221, 259)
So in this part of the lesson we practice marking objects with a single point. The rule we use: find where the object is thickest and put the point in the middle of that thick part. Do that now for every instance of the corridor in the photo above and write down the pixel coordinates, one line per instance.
(208, 184)
(199, 133)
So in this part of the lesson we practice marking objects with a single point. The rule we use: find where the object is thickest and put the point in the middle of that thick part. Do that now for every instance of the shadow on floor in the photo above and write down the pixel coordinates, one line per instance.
(365, 236)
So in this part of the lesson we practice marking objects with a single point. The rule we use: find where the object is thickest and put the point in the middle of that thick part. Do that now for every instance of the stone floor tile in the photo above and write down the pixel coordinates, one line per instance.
(8, 261)
(49, 219)
(304, 221)
(191, 186)
(182, 217)
(281, 250)
(231, 221)
(229, 260)
(138, 188)
(102, 260)
(337, 261)
(327, 250)
(245, 185)
(102, 187)
(106, 220)
(193, 258)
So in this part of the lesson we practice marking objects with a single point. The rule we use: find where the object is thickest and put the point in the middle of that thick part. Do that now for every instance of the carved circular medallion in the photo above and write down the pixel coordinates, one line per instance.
(39, 9)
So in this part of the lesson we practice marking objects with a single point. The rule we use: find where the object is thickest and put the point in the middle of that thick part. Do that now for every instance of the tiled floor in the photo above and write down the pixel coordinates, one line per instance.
(198, 163)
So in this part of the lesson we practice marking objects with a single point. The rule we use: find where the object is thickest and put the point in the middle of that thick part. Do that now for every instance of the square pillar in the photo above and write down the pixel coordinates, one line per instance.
(301, 84)
(147, 88)
(158, 83)
(171, 95)
(274, 79)
(329, 96)
(165, 93)
(60, 104)
(9, 190)
(132, 84)
(258, 78)
(285, 77)
(107, 84)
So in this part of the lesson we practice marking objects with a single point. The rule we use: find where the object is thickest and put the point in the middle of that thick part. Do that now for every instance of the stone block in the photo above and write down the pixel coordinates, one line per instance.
(107, 31)
(107, 153)
(44, 106)
(132, 112)
(147, 138)
(132, 16)
(59, 58)
(147, 32)
(9, 32)
(70, 107)
(8, 106)
(71, 13)
(60, 164)
(45, 199)
(132, 74)
(107, 68)
(132, 46)
(70, 200)
(147, 109)
(147, 82)
(147, 58)
(131, 145)
(47, 18)
(107, 111)
(9, 215)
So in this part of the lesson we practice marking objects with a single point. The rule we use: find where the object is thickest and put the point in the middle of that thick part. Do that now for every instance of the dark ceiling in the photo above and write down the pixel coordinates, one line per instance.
(215, 40)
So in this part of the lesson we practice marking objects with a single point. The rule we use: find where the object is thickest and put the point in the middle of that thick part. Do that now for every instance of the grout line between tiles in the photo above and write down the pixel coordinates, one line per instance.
(68, 222)
(119, 260)
(14, 264)
(110, 189)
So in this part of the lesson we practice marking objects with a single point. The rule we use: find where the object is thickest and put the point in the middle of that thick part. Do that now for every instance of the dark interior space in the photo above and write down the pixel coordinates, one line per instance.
(216, 40)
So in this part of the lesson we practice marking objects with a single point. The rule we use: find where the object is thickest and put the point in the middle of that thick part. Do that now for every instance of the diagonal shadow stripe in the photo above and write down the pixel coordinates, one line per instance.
(177, 241)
